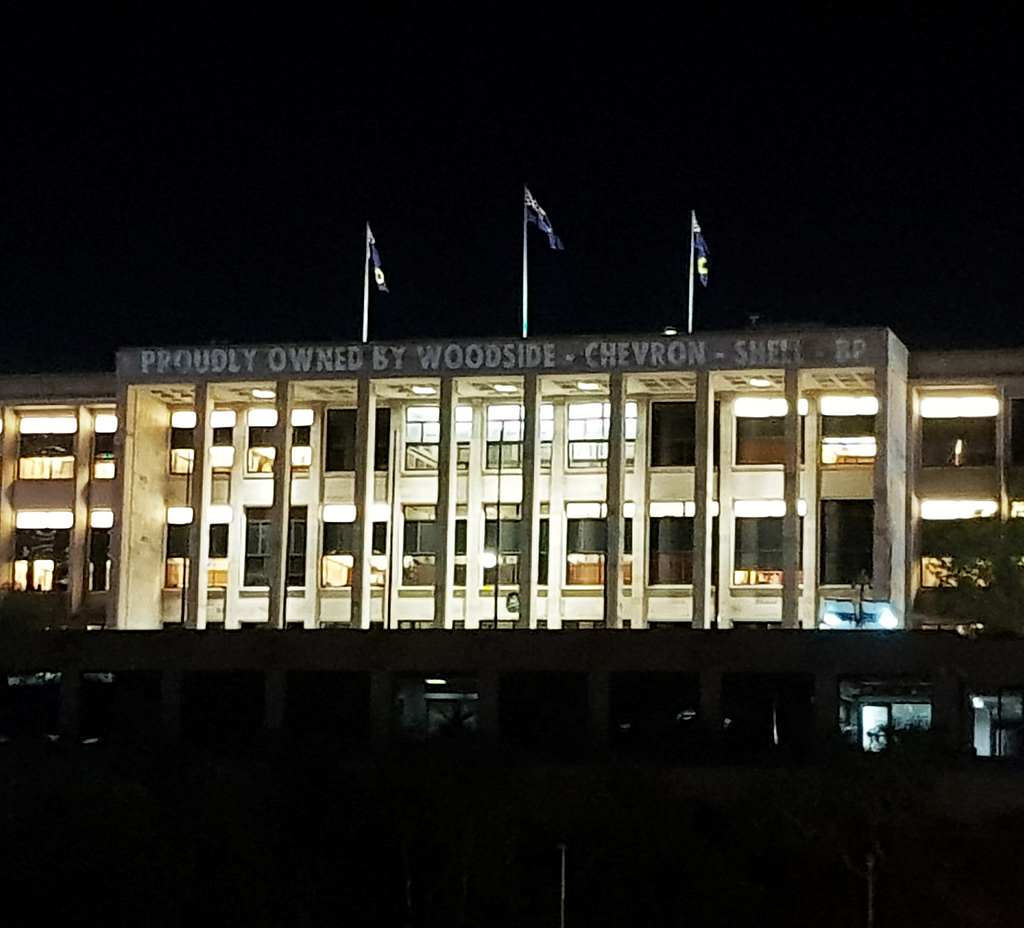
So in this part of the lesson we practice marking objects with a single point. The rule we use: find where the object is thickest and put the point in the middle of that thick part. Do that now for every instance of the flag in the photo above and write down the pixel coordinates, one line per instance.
(371, 252)
(700, 247)
(536, 215)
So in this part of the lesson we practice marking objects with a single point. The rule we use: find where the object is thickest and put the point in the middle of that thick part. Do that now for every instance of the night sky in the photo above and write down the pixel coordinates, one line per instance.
(176, 174)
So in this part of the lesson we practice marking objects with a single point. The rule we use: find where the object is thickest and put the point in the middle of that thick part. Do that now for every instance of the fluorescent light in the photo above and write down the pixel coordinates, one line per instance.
(48, 425)
(759, 508)
(302, 417)
(670, 330)
(585, 385)
(506, 388)
(488, 559)
(848, 405)
(435, 681)
(668, 510)
(183, 419)
(956, 407)
(759, 407)
(39, 518)
(887, 618)
(266, 418)
(222, 419)
(628, 510)
(219, 514)
(958, 508)
(339, 512)
(760, 382)
(380, 512)
(424, 391)
(101, 518)
(264, 394)
(105, 423)
(179, 515)
(585, 510)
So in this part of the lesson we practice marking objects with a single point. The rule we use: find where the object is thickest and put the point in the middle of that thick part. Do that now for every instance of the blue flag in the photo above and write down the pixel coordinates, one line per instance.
(536, 215)
(700, 248)
(371, 249)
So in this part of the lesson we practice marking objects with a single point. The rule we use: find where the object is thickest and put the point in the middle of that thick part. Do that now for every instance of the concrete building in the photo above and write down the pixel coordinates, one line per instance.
(767, 477)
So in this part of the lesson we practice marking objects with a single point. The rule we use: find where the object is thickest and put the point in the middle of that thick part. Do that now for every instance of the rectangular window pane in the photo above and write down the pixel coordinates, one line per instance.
(340, 440)
(673, 434)
(296, 553)
(966, 442)
(99, 559)
(670, 550)
(256, 570)
(847, 540)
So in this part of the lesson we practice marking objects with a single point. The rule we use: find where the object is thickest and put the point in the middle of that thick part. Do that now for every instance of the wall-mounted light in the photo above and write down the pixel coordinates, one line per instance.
(302, 417)
(761, 407)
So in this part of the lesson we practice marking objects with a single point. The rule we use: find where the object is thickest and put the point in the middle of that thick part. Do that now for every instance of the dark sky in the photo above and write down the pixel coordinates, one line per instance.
(175, 174)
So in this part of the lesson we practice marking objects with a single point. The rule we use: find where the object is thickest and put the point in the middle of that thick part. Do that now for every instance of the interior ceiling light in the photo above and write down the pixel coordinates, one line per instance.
(505, 387)
(760, 382)
(583, 385)
(424, 391)
(670, 330)
(264, 394)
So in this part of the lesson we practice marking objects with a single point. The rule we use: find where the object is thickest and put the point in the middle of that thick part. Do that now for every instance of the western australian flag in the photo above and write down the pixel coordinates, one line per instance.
(536, 215)
(700, 248)
(371, 249)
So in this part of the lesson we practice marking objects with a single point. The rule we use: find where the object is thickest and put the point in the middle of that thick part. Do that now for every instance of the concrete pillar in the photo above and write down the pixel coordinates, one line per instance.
(529, 552)
(275, 692)
(810, 490)
(381, 683)
(8, 474)
(1003, 453)
(556, 516)
(791, 520)
(475, 609)
(280, 509)
(614, 497)
(598, 707)
(637, 492)
(366, 419)
(171, 682)
(69, 711)
(488, 694)
(704, 472)
(444, 562)
(78, 555)
(199, 500)
(826, 704)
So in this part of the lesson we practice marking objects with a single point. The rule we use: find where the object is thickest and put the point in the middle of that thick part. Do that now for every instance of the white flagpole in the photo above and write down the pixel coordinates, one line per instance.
(689, 312)
(366, 289)
(525, 281)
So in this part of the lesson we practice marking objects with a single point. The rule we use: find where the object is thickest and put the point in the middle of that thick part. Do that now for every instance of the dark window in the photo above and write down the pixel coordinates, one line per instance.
(761, 440)
(183, 438)
(99, 559)
(223, 436)
(258, 531)
(419, 547)
(586, 544)
(301, 435)
(176, 568)
(965, 442)
(461, 545)
(182, 454)
(219, 540)
(41, 559)
(341, 440)
(296, 567)
(382, 439)
(543, 546)
(759, 557)
(847, 540)
(218, 565)
(338, 556)
(673, 434)
(103, 466)
(671, 550)
(847, 439)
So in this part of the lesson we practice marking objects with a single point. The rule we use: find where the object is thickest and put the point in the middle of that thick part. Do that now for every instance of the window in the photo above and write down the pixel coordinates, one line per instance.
(670, 550)
(340, 442)
(673, 434)
(848, 429)
(262, 440)
(505, 435)
(586, 544)
(41, 559)
(761, 429)
(183, 442)
(258, 550)
(419, 548)
(759, 559)
(218, 564)
(958, 442)
(222, 446)
(104, 466)
(382, 439)
(99, 559)
(501, 562)
(588, 433)
(295, 569)
(423, 434)
(543, 547)
(847, 531)
(339, 554)
(177, 562)
(46, 457)
(302, 433)
(461, 544)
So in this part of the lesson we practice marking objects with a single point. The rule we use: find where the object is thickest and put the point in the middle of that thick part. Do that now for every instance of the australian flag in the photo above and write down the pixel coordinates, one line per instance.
(536, 215)
(378, 274)
(700, 248)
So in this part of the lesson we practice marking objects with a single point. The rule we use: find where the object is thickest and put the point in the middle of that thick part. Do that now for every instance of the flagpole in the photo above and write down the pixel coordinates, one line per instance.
(525, 280)
(689, 311)
(366, 288)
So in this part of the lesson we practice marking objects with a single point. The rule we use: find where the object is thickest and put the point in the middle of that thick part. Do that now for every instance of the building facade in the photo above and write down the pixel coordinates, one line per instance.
(776, 478)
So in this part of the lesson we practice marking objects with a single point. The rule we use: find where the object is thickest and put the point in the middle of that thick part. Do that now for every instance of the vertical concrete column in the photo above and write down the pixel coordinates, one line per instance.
(396, 523)
(810, 490)
(1003, 453)
(637, 484)
(598, 707)
(726, 520)
(710, 706)
(122, 499)
(444, 563)
(199, 500)
(614, 498)
(8, 474)
(171, 684)
(315, 528)
(791, 520)
(488, 694)
(703, 492)
(474, 609)
(78, 556)
(69, 711)
(556, 517)
(826, 703)
(381, 683)
(366, 420)
(275, 692)
(529, 551)
(280, 509)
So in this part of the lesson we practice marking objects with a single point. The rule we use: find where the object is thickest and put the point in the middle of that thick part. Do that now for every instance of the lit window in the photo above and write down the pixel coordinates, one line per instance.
(423, 434)
(338, 557)
(586, 546)
(46, 455)
(670, 549)
(419, 548)
(99, 552)
(222, 450)
(502, 559)
(183, 442)
(41, 557)
(302, 451)
(505, 435)
(177, 556)
(588, 433)
(218, 565)
(758, 553)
